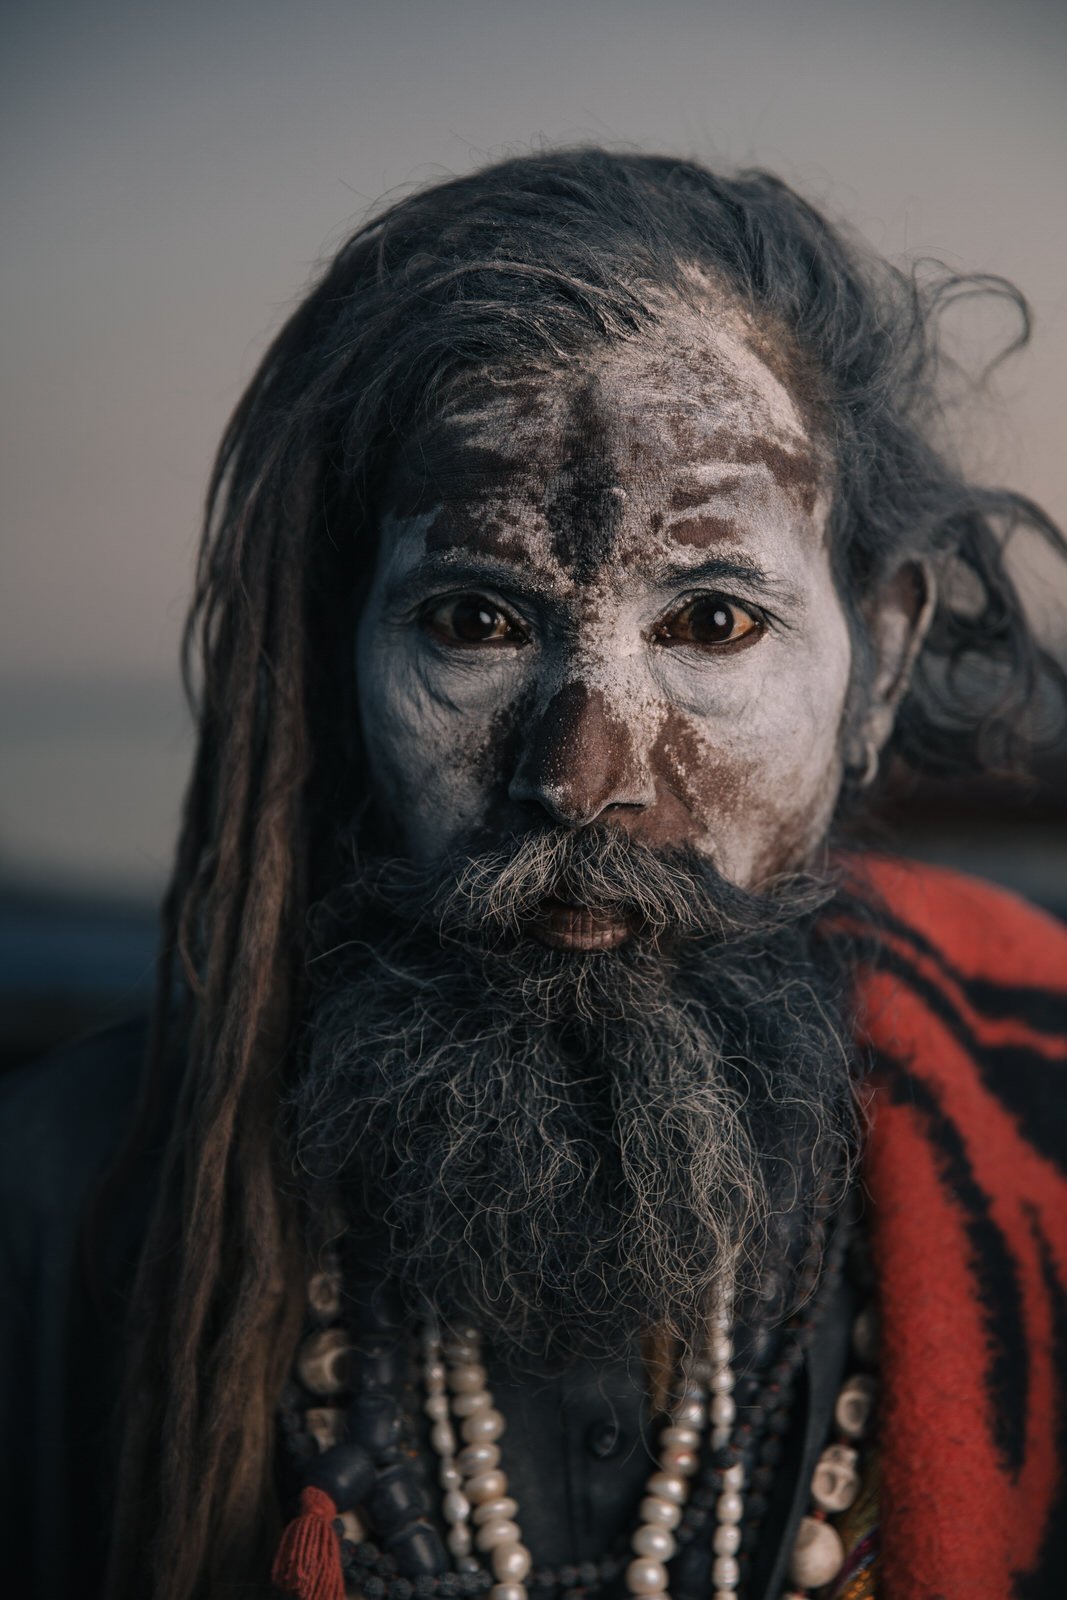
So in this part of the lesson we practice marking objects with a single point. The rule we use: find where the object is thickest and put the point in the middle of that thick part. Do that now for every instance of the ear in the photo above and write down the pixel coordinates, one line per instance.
(898, 618)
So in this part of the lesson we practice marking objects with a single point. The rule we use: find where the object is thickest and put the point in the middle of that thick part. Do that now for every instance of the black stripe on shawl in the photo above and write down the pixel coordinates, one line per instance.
(1040, 1008)
(1045, 1580)
(1031, 1087)
(996, 1275)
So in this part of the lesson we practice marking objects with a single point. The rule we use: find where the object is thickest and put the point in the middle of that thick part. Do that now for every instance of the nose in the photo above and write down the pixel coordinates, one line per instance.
(580, 760)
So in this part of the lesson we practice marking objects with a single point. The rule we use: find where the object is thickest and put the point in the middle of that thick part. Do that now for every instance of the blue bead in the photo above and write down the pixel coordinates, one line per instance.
(395, 1500)
(374, 1422)
(345, 1472)
(378, 1366)
(417, 1550)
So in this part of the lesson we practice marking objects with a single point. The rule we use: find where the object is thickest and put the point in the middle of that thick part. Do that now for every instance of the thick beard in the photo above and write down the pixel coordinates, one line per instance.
(569, 1149)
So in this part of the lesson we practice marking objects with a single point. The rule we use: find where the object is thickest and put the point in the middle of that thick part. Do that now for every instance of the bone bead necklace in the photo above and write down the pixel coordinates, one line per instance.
(481, 1512)
(818, 1554)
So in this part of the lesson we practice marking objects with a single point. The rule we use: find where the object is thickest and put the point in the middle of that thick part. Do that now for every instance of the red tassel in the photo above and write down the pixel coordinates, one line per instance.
(308, 1563)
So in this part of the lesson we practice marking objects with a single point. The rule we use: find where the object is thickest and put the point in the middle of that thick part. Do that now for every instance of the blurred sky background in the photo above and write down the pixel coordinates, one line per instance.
(172, 173)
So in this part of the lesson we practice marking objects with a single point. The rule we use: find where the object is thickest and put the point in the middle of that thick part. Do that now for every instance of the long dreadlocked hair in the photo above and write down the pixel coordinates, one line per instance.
(526, 262)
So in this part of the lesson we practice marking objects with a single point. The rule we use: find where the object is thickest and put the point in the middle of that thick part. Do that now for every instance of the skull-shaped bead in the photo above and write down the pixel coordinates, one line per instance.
(323, 1360)
(324, 1292)
(835, 1482)
(325, 1424)
(865, 1335)
(852, 1412)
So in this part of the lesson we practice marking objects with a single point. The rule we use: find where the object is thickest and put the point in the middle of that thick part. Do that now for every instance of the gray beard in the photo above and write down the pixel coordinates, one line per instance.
(571, 1149)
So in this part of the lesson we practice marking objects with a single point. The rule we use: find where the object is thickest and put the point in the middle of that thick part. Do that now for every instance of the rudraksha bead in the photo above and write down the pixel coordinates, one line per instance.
(417, 1550)
(395, 1500)
(756, 1505)
(374, 1422)
(377, 1368)
(345, 1472)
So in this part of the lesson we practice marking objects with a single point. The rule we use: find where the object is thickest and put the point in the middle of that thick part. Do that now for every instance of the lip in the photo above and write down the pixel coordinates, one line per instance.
(564, 927)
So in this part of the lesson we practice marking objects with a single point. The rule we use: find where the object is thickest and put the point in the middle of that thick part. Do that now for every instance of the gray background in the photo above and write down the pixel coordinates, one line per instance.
(173, 172)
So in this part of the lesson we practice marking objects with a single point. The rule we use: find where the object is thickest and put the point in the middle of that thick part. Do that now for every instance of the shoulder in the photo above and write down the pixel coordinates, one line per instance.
(965, 1171)
(965, 1008)
(984, 932)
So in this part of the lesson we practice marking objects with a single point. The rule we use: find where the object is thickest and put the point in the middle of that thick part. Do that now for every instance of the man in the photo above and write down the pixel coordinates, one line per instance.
(569, 1170)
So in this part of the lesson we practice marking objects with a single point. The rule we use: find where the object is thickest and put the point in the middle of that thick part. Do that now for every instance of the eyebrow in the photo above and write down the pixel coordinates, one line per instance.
(462, 567)
(721, 570)
(505, 575)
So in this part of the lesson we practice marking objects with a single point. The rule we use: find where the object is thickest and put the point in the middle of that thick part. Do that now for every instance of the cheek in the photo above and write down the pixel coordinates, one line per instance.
(796, 776)
(436, 758)
(758, 775)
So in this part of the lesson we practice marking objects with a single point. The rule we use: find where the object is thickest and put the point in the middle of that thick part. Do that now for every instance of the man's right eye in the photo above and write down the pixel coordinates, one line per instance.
(470, 619)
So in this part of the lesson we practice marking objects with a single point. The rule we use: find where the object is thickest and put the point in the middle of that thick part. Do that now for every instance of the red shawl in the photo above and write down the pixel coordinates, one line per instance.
(966, 1173)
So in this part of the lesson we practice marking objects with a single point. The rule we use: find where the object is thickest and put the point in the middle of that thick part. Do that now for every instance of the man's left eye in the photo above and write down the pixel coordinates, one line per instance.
(708, 620)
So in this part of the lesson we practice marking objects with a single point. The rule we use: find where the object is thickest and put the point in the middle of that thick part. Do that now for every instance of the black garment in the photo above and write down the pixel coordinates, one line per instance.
(61, 1121)
(577, 1445)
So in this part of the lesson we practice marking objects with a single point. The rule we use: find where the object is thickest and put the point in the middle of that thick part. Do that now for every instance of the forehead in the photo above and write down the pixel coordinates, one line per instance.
(685, 435)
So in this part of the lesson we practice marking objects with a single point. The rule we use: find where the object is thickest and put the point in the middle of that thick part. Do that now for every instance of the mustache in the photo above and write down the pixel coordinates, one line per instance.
(491, 893)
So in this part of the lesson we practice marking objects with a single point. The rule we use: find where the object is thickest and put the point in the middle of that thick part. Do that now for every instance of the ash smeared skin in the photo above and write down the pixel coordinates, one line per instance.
(584, 500)
(588, 504)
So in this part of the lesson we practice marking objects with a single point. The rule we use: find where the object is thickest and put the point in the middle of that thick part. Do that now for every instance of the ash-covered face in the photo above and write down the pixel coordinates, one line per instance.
(605, 594)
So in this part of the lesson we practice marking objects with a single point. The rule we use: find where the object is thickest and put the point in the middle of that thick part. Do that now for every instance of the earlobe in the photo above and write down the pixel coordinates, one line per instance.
(898, 621)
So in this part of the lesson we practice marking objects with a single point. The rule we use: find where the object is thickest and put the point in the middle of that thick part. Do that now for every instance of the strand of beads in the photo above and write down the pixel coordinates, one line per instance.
(666, 1492)
(455, 1507)
(757, 1440)
(819, 1554)
(730, 1505)
(355, 1452)
(484, 1486)
(749, 1458)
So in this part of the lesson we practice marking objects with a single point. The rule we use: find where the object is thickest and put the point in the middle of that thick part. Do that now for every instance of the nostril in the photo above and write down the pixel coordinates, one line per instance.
(569, 808)
(580, 760)
(552, 800)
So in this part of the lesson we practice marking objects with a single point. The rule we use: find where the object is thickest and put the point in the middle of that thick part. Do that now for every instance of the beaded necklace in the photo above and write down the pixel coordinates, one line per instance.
(366, 1457)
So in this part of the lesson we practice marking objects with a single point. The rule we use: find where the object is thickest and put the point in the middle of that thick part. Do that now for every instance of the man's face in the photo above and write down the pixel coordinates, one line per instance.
(603, 669)
(606, 594)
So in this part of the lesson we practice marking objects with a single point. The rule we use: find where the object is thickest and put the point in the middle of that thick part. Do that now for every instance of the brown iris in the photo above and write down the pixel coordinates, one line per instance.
(471, 619)
(709, 619)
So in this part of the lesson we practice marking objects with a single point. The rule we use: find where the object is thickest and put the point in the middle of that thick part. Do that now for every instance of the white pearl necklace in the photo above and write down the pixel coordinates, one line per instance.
(481, 1513)
(730, 1506)
(476, 1491)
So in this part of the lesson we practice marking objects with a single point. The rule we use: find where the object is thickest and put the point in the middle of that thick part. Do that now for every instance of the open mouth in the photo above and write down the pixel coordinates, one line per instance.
(567, 927)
